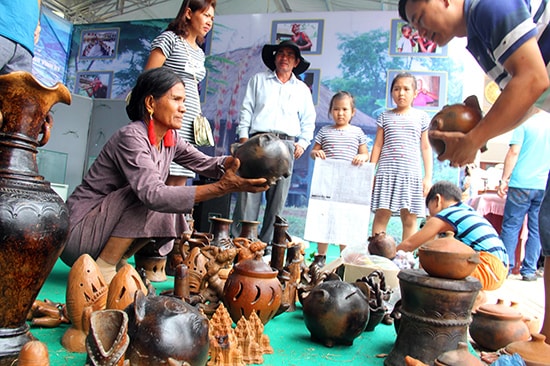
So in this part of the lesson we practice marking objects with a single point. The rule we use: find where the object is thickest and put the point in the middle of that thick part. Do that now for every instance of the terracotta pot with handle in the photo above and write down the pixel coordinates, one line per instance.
(448, 258)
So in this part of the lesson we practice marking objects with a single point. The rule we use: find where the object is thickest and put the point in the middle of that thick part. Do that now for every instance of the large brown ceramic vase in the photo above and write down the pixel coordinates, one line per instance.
(34, 220)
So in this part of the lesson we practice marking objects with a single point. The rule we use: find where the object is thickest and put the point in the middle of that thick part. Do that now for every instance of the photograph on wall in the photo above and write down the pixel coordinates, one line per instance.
(94, 84)
(311, 78)
(98, 43)
(431, 89)
(307, 34)
(405, 41)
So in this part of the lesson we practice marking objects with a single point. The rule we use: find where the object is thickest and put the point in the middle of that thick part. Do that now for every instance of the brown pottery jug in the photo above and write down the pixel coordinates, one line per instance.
(34, 220)
(460, 117)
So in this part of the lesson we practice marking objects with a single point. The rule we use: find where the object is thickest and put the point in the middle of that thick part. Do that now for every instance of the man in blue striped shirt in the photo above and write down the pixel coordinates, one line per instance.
(511, 42)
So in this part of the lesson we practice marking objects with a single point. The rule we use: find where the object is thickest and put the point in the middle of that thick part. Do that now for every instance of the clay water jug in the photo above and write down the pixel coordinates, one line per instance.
(460, 117)
(264, 156)
(383, 245)
(34, 220)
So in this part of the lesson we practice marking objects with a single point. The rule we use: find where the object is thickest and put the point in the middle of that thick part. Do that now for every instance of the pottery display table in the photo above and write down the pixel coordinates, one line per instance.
(435, 315)
(491, 206)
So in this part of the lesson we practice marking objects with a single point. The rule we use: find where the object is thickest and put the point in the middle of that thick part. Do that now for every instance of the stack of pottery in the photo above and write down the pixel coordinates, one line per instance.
(448, 258)
(495, 326)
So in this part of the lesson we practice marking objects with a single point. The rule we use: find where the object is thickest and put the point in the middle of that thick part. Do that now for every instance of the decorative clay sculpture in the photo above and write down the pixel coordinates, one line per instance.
(86, 293)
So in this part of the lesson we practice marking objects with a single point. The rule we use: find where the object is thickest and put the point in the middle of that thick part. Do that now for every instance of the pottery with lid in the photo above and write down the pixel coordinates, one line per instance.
(535, 352)
(459, 357)
(495, 326)
(448, 257)
(252, 285)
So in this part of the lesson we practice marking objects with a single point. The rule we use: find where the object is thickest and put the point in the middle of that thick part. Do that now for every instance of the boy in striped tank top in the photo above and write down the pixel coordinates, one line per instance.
(449, 213)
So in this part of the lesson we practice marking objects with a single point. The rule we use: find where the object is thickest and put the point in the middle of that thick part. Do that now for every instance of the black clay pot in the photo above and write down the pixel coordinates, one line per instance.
(335, 312)
(164, 327)
(264, 156)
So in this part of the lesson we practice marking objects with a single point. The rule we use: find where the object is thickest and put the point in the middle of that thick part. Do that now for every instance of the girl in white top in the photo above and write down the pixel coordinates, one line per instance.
(178, 48)
(340, 141)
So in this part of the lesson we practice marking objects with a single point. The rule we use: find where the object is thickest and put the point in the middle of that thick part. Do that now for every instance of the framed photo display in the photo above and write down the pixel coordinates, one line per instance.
(431, 87)
(98, 43)
(405, 41)
(307, 34)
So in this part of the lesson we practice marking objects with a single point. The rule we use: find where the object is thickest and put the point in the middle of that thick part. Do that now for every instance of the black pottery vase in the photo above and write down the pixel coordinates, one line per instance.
(34, 220)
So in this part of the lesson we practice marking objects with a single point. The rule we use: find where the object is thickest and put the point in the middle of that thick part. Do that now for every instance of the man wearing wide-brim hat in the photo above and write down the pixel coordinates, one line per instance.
(276, 101)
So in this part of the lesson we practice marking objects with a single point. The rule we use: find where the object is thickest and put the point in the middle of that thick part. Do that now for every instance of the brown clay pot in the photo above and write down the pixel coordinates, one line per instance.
(34, 220)
(335, 312)
(383, 245)
(535, 352)
(252, 285)
(448, 258)
(460, 117)
(459, 357)
(264, 156)
(495, 326)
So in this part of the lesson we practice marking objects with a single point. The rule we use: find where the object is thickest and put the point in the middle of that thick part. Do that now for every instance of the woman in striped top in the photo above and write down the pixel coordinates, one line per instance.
(401, 140)
(177, 48)
(340, 141)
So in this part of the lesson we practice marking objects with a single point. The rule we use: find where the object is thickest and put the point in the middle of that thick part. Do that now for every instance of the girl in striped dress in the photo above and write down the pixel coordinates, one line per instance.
(177, 48)
(340, 141)
(400, 143)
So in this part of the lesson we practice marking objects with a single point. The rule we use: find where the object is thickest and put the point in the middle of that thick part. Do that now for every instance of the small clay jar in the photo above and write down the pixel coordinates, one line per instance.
(220, 230)
(460, 117)
(383, 245)
(252, 285)
(249, 230)
(459, 357)
(448, 258)
(495, 326)
(535, 352)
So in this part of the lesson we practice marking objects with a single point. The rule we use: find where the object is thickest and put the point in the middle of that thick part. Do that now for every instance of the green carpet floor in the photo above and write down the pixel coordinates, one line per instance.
(289, 336)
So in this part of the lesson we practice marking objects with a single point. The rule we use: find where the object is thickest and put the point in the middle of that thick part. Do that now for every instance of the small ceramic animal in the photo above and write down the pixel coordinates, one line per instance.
(335, 312)
(164, 329)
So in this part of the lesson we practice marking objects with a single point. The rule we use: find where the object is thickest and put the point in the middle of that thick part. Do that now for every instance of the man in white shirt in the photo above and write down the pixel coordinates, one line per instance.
(276, 101)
